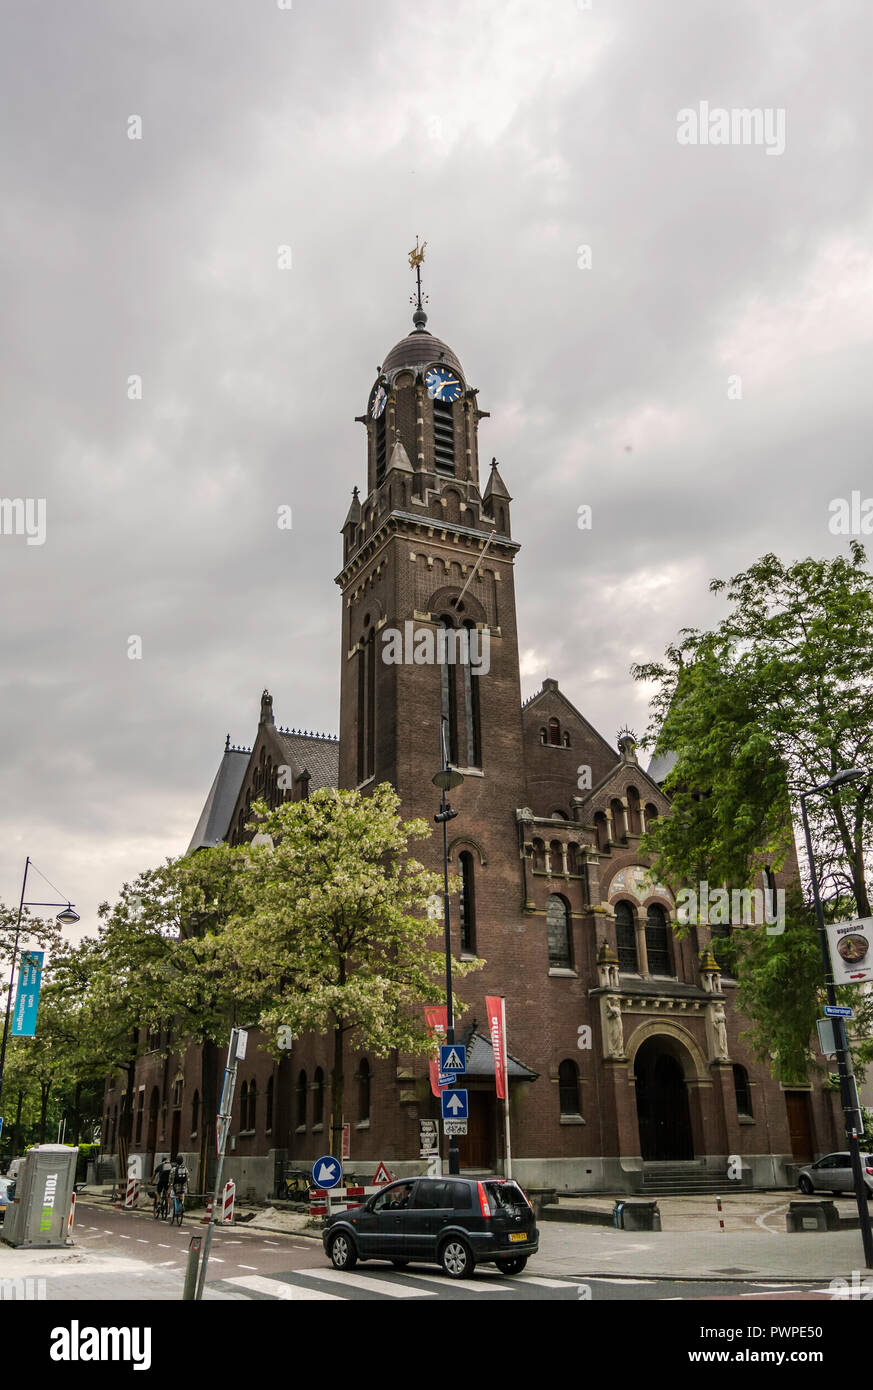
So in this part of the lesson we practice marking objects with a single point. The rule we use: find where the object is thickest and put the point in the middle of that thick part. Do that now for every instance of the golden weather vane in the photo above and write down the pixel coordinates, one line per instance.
(416, 256)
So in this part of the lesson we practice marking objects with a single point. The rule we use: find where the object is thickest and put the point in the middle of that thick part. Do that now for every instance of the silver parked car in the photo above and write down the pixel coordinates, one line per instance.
(833, 1173)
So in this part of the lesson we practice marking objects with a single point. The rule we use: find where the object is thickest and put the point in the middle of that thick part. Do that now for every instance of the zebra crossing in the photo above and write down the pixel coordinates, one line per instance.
(378, 1283)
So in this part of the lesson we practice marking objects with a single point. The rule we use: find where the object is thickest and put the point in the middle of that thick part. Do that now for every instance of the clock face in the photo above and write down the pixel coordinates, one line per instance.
(442, 384)
(379, 401)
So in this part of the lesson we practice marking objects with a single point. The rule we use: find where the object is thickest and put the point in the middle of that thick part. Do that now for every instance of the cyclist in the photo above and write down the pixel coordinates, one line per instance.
(162, 1176)
(181, 1178)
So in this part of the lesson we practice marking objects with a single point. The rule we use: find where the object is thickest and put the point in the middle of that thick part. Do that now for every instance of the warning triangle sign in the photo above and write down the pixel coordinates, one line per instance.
(382, 1175)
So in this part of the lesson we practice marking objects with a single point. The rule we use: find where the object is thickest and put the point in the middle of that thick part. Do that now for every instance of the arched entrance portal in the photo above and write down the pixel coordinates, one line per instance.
(662, 1101)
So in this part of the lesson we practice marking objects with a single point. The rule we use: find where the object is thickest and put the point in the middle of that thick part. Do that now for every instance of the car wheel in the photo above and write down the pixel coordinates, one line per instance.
(514, 1265)
(342, 1252)
(456, 1258)
(400, 1264)
(806, 1186)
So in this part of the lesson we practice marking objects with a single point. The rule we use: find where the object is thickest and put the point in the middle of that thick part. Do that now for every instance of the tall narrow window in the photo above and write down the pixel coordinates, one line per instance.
(743, 1093)
(554, 733)
(467, 905)
(270, 1094)
(471, 698)
(443, 437)
(448, 691)
(318, 1098)
(363, 1091)
(658, 941)
(195, 1112)
(568, 1087)
(626, 934)
(366, 705)
(381, 448)
(253, 1105)
(301, 1100)
(558, 932)
(244, 1106)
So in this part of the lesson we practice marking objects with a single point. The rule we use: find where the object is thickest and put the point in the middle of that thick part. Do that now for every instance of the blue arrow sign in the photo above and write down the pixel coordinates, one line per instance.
(327, 1171)
(838, 1011)
(454, 1105)
(453, 1057)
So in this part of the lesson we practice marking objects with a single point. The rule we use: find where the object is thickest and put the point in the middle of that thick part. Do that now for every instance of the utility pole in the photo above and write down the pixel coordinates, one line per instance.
(236, 1052)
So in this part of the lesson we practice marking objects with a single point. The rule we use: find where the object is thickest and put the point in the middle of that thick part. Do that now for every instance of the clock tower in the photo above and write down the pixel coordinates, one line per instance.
(429, 636)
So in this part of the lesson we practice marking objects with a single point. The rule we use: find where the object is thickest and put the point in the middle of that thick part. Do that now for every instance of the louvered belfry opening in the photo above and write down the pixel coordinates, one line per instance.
(443, 438)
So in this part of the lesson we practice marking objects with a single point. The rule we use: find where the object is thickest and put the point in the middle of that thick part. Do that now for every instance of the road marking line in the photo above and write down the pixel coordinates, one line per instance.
(141, 1241)
(557, 1283)
(277, 1288)
(385, 1287)
(164, 1247)
(468, 1285)
(125, 1237)
(762, 1219)
(254, 1267)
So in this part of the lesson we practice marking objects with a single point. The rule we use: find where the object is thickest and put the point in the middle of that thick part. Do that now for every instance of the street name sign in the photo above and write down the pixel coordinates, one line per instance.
(838, 1011)
(454, 1105)
(327, 1171)
(447, 1078)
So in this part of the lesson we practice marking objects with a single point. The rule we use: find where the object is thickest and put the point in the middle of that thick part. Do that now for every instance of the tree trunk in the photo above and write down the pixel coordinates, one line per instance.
(336, 1103)
(77, 1113)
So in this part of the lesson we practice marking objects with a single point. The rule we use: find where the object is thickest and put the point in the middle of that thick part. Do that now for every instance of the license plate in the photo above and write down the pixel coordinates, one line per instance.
(516, 1235)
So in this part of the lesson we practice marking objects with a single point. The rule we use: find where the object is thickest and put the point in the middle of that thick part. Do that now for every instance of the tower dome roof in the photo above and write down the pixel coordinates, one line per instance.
(418, 349)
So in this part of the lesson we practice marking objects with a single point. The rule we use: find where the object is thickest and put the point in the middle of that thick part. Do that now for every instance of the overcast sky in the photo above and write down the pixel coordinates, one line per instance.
(509, 135)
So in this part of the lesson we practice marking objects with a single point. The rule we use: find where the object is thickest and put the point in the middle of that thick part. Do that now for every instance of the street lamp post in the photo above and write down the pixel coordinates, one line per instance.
(67, 917)
(445, 779)
(847, 1098)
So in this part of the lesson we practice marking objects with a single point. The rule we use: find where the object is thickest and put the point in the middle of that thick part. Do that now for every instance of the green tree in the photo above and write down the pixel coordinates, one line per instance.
(776, 698)
(332, 936)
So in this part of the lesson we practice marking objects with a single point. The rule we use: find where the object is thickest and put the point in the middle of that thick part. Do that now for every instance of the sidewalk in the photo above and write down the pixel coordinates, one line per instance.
(93, 1276)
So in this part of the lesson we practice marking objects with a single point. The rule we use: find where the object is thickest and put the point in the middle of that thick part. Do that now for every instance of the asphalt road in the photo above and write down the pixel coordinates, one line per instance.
(272, 1267)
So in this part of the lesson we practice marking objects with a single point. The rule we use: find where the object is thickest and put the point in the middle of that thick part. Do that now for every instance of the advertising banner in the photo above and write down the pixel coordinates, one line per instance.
(495, 1006)
(436, 1018)
(851, 950)
(27, 998)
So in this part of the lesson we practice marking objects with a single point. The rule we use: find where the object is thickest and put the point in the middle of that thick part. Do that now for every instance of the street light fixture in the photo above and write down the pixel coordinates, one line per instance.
(67, 917)
(847, 1098)
(445, 779)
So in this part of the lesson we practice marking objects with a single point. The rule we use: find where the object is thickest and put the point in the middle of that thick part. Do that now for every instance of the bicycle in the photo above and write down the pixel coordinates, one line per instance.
(178, 1209)
(161, 1206)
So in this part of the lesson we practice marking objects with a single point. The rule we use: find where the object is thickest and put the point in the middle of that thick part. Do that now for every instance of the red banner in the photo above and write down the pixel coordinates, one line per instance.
(436, 1018)
(495, 1007)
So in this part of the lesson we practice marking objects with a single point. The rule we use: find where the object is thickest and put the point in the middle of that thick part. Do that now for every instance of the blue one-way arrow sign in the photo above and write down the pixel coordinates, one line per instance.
(454, 1105)
(453, 1057)
(838, 1011)
(327, 1171)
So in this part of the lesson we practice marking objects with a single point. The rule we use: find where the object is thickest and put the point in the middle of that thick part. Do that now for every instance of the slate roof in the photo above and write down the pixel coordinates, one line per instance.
(418, 349)
(215, 816)
(480, 1059)
(320, 757)
(661, 766)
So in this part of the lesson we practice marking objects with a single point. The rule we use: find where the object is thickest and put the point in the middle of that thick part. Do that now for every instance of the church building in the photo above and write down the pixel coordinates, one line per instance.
(627, 1064)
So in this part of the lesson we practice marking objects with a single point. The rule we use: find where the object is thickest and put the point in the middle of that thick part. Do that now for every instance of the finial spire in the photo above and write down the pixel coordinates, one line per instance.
(416, 256)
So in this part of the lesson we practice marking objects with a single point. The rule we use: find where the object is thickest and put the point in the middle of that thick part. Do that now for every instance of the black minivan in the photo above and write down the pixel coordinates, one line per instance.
(454, 1222)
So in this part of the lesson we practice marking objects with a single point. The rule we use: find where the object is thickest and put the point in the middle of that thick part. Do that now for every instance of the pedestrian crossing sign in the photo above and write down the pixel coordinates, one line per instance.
(453, 1057)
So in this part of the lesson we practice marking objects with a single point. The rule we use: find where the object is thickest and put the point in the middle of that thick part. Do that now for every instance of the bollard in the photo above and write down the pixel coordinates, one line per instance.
(720, 1217)
(191, 1269)
(71, 1218)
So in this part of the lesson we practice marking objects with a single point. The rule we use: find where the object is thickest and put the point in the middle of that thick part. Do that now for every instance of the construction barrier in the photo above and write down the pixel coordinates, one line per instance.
(71, 1217)
(205, 1220)
(131, 1195)
(229, 1194)
(325, 1201)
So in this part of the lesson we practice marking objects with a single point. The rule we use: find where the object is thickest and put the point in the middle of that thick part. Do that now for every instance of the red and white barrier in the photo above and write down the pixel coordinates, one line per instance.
(325, 1201)
(229, 1194)
(71, 1218)
(131, 1195)
(205, 1220)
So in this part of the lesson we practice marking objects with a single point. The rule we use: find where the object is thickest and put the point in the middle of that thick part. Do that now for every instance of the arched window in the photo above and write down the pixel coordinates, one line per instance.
(743, 1093)
(634, 823)
(544, 737)
(449, 693)
(658, 941)
(554, 733)
(572, 858)
(253, 1105)
(617, 810)
(560, 815)
(471, 697)
(363, 1091)
(566, 740)
(139, 1114)
(556, 863)
(270, 1093)
(539, 855)
(244, 1106)
(301, 1100)
(651, 813)
(366, 704)
(601, 830)
(195, 1113)
(568, 1087)
(626, 935)
(318, 1098)
(467, 905)
(558, 933)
